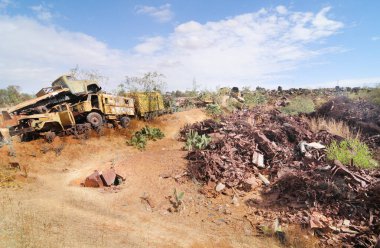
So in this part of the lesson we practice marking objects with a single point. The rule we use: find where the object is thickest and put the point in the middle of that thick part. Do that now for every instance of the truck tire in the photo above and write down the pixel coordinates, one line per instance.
(124, 121)
(95, 119)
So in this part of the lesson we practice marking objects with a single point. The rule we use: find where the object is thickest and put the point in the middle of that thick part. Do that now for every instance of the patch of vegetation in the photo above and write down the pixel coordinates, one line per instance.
(372, 95)
(351, 149)
(177, 201)
(150, 81)
(12, 96)
(298, 237)
(233, 104)
(255, 98)
(140, 138)
(8, 177)
(214, 110)
(196, 141)
(152, 133)
(332, 126)
(206, 96)
(299, 105)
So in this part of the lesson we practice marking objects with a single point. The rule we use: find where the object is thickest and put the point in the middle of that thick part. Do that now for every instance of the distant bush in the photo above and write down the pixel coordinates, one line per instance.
(213, 110)
(372, 95)
(232, 104)
(254, 98)
(206, 96)
(299, 105)
(12, 96)
(351, 149)
(140, 138)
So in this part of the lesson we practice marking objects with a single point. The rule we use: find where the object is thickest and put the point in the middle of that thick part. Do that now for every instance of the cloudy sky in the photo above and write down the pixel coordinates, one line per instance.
(216, 42)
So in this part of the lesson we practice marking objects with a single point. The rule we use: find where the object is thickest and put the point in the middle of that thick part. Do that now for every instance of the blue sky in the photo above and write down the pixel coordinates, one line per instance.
(219, 43)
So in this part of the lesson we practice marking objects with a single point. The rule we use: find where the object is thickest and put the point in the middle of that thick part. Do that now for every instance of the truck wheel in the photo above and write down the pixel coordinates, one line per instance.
(95, 119)
(124, 121)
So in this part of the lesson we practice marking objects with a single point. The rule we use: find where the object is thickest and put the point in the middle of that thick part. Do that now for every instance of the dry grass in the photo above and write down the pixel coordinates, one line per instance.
(335, 127)
(295, 237)
(23, 225)
(299, 238)
(8, 177)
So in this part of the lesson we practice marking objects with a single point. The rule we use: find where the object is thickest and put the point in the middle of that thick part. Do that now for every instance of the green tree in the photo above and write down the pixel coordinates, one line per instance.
(12, 96)
(151, 81)
(120, 90)
(92, 75)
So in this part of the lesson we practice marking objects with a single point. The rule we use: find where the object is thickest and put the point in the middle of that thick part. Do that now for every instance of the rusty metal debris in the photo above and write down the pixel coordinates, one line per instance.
(94, 180)
(105, 178)
(312, 191)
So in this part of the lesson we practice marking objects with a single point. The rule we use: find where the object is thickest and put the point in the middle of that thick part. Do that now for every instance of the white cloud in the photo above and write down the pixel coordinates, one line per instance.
(253, 47)
(150, 45)
(375, 38)
(33, 54)
(42, 12)
(162, 13)
(262, 46)
(281, 9)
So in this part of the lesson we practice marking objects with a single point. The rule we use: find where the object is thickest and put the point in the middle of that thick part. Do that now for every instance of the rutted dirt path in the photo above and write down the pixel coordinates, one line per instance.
(53, 210)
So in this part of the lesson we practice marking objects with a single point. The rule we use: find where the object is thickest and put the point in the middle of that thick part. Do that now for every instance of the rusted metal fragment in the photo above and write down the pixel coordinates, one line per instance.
(108, 177)
(268, 147)
(258, 159)
(94, 180)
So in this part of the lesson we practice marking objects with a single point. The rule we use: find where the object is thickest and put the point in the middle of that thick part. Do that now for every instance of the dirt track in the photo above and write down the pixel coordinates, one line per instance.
(53, 210)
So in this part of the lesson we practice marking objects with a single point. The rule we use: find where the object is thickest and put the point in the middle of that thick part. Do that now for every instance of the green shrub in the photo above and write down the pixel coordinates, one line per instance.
(299, 105)
(351, 149)
(213, 110)
(152, 133)
(372, 95)
(196, 141)
(233, 104)
(140, 138)
(254, 98)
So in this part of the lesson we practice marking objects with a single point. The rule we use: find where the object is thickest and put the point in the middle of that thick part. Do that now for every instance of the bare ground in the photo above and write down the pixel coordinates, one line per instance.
(51, 209)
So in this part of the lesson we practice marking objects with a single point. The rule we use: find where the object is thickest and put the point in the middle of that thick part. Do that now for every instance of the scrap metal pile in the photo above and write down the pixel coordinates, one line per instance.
(281, 156)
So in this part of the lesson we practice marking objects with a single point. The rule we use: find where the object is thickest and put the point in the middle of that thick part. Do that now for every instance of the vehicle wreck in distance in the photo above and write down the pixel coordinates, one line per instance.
(72, 106)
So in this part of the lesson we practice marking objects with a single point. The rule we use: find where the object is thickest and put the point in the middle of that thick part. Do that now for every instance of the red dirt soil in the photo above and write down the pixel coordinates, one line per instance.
(52, 209)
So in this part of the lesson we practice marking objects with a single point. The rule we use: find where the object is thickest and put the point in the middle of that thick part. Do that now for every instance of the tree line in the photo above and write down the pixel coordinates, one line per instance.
(12, 95)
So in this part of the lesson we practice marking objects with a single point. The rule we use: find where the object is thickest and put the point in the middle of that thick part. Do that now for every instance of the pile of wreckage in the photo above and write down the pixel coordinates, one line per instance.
(107, 178)
(280, 157)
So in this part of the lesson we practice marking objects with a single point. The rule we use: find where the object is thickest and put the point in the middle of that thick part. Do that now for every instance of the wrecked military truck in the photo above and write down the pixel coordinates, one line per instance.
(64, 89)
(50, 111)
(74, 119)
(99, 108)
(73, 107)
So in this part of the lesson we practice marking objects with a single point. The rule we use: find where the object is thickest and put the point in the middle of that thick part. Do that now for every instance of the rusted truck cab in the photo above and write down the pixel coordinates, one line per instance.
(76, 87)
(45, 124)
(100, 108)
